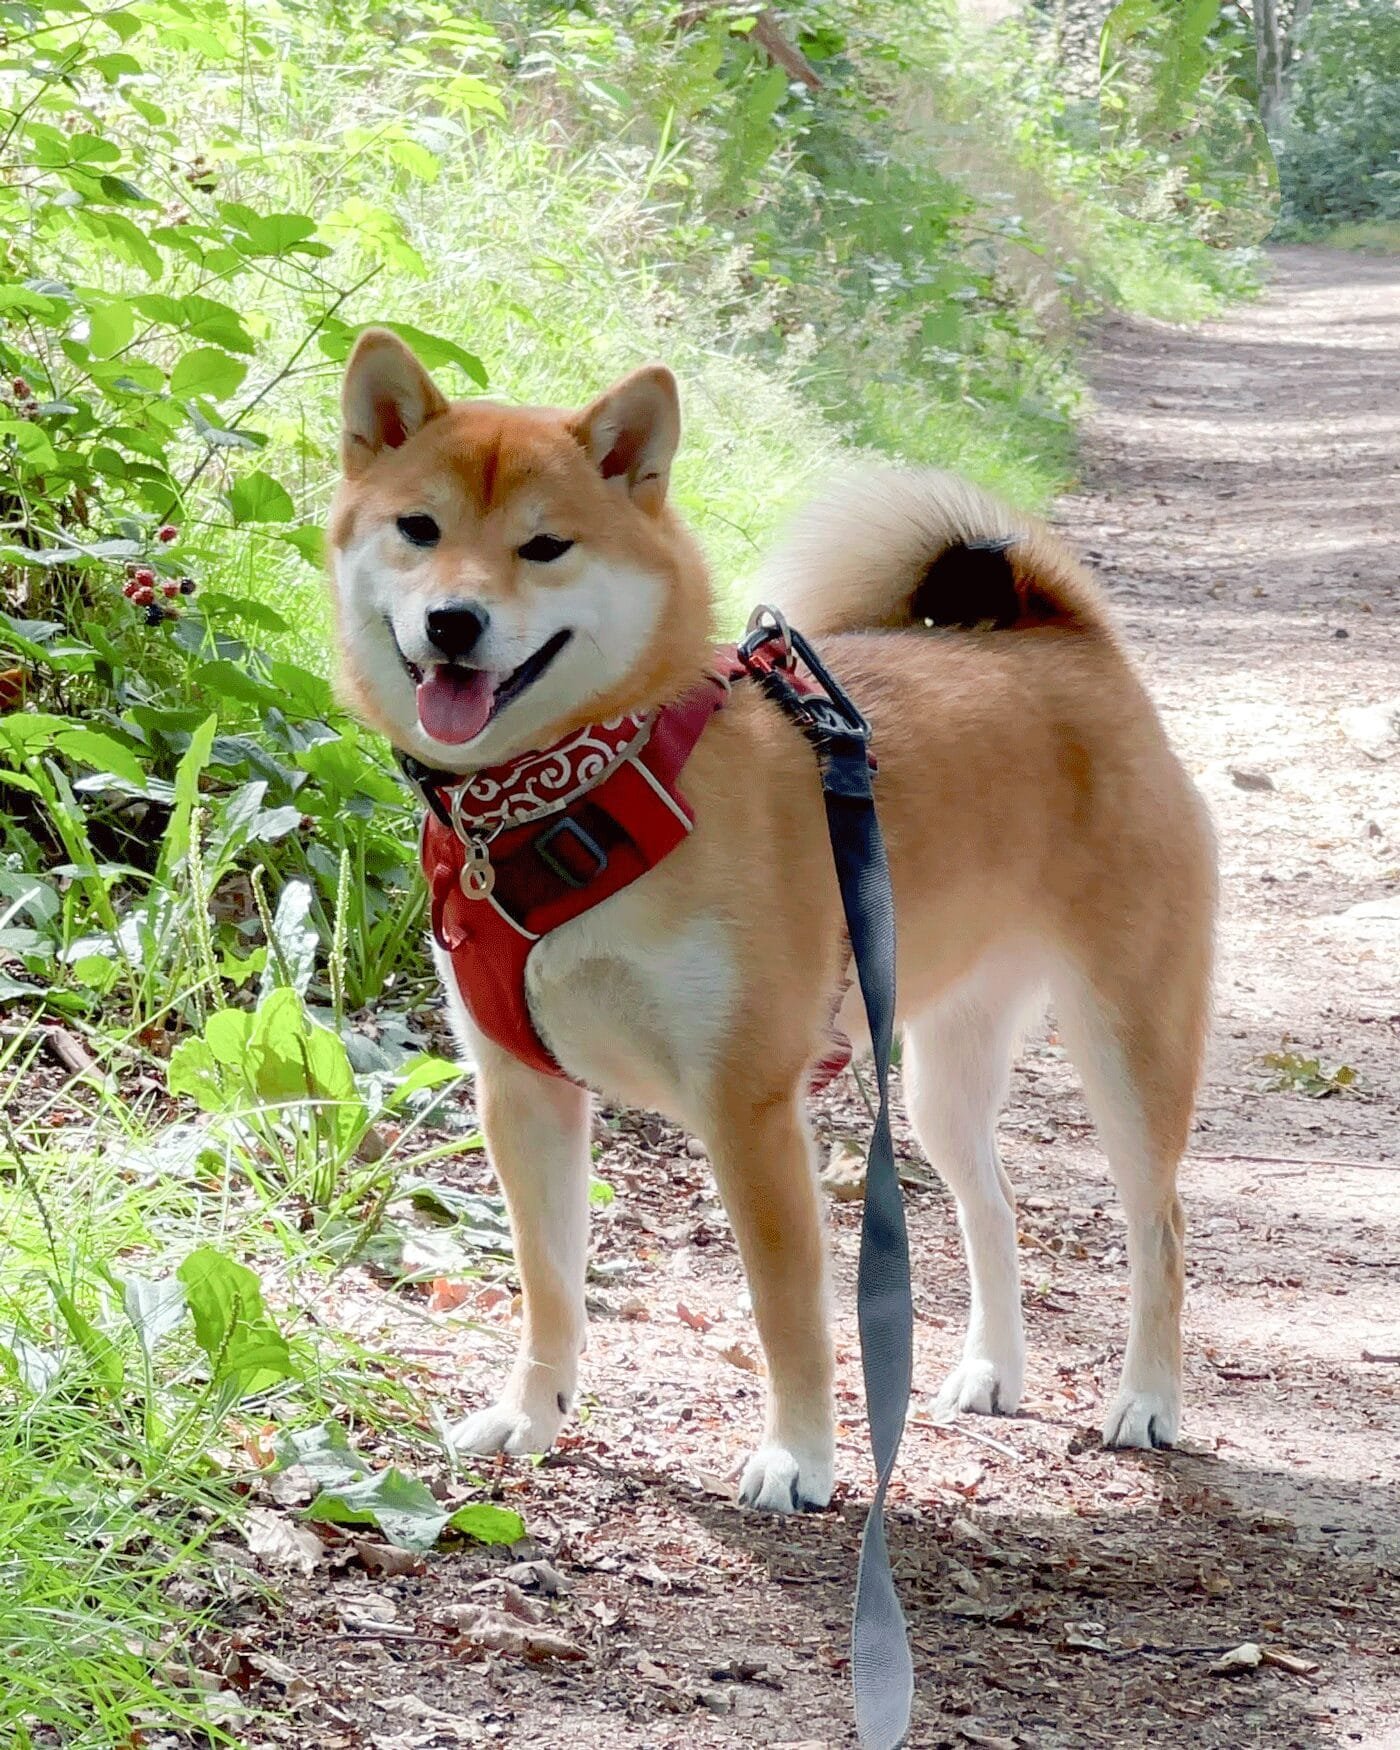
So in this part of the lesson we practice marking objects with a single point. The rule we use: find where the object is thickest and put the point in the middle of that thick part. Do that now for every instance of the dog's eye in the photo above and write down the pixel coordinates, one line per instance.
(421, 530)
(541, 549)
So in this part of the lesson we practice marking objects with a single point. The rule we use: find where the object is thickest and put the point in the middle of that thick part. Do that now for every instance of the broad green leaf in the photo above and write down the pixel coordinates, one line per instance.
(324, 1452)
(310, 542)
(295, 941)
(194, 1071)
(154, 1309)
(207, 371)
(99, 1351)
(246, 1351)
(92, 748)
(405, 1510)
(232, 682)
(226, 1034)
(276, 233)
(110, 328)
(421, 1073)
(192, 763)
(258, 498)
(487, 1523)
(216, 606)
(435, 351)
(36, 1366)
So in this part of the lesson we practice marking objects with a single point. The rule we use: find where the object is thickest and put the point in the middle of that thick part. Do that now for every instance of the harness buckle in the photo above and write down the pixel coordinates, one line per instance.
(557, 865)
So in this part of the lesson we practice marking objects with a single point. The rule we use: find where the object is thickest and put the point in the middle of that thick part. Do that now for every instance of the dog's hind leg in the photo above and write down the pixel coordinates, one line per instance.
(1134, 1032)
(537, 1131)
(957, 1062)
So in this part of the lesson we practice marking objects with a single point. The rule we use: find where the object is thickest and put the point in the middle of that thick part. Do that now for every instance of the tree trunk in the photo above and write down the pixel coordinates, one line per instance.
(1268, 46)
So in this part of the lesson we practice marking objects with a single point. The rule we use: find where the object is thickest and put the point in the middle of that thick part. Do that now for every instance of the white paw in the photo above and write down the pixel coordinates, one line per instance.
(986, 1388)
(512, 1426)
(789, 1479)
(1143, 1418)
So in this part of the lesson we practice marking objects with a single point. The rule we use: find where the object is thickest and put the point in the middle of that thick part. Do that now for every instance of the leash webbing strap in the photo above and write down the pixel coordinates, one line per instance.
(882, 1671)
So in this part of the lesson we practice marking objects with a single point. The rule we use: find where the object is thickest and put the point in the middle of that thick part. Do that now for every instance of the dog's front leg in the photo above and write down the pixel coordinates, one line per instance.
(537, 1136)
(762, 1156)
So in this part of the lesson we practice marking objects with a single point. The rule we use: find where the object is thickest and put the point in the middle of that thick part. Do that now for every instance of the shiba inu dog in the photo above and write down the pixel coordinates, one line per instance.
(503, 577)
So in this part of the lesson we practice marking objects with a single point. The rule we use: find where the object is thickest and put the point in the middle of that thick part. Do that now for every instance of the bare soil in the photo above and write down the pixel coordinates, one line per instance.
(1240, 502)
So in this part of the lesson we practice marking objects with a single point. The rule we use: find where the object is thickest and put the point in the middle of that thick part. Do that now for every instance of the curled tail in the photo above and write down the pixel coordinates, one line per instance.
(900, 548)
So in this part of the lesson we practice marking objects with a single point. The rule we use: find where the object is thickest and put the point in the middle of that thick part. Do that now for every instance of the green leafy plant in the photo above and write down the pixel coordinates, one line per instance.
(296, 1106)
(1296, 1074)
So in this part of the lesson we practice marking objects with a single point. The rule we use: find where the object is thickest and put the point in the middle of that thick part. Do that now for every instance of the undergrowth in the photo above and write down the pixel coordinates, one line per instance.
(213, 1053)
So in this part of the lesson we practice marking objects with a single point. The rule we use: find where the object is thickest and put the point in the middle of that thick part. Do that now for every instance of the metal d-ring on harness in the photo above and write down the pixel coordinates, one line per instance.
(882, 1670)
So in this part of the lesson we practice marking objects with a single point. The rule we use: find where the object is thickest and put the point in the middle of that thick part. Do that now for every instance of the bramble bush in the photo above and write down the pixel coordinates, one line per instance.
(201, 206)
(1339, 148)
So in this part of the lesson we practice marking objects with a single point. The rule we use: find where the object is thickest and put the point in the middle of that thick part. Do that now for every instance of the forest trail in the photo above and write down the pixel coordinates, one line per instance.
(1240, 502)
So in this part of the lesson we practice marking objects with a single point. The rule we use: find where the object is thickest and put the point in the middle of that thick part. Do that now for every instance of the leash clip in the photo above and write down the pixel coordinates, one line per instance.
(825, 711)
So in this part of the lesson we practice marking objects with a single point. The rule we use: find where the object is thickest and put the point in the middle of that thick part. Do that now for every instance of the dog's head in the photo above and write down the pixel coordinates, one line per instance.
(502, 575)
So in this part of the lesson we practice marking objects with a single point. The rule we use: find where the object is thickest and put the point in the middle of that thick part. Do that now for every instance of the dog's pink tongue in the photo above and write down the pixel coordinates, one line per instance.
(454, 703)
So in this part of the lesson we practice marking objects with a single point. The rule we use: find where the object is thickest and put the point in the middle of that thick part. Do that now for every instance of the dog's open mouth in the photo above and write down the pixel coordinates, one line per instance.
(455, 703)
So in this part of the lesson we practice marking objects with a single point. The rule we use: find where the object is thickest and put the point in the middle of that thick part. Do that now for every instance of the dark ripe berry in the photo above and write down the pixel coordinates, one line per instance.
(168, 534)
(186, 586)
(144, 576)
(20, 389)
(155, 613)
(143, 595)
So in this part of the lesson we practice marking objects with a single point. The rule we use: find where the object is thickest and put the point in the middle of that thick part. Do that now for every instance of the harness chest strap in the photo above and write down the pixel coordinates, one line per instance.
(544, 872)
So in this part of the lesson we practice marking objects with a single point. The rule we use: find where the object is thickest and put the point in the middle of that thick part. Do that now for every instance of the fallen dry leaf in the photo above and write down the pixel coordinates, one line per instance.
(843, 1176)
(274, 1539)
(696, 1321)
(540, 1574)
(974, 1734)
(496, 1633)
(372, 1610)
(387, 1558)
(287, 1678)
(445, 1295)
(738, 1356)
(441, 1727)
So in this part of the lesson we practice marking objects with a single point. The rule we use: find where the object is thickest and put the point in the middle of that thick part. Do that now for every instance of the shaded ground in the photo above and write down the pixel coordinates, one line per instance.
(1241, 503)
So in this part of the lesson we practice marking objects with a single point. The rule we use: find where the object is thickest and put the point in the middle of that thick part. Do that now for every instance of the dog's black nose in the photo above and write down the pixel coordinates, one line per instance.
(456, 627)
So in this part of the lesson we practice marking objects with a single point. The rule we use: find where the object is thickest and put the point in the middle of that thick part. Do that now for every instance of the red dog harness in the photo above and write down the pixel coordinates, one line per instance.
(513, 851)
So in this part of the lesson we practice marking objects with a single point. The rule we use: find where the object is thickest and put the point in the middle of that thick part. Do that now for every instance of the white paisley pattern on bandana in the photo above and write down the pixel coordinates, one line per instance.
(538, 783)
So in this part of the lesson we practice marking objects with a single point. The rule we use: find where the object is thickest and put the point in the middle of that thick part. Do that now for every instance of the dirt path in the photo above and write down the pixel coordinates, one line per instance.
(1241, 503)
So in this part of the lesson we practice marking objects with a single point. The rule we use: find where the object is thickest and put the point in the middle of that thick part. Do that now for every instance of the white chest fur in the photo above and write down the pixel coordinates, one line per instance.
(630, 1007)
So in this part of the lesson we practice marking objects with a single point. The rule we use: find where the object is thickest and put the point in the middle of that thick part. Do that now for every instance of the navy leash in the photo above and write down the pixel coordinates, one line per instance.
(882, 1671)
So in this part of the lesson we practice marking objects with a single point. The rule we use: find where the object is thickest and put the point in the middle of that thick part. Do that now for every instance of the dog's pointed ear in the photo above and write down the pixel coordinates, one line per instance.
(631, 432)
(386, 398)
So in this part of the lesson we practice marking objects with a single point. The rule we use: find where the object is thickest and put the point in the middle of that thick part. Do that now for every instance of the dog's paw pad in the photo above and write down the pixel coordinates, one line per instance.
(507, 1427)
(979, 1388)
(1143, 1419)
(779, 1479)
